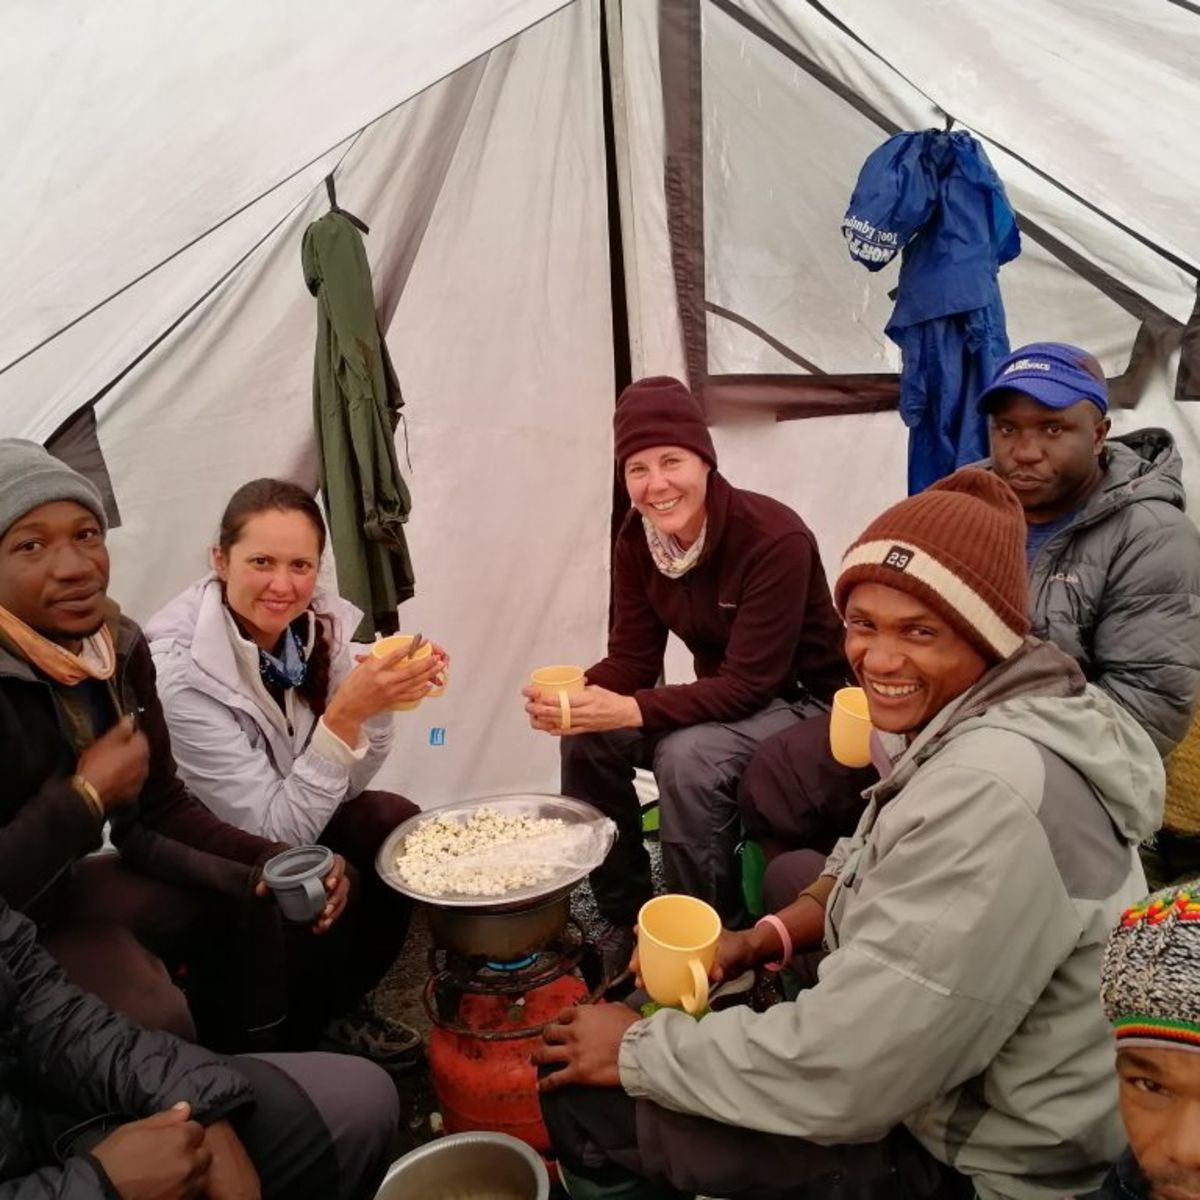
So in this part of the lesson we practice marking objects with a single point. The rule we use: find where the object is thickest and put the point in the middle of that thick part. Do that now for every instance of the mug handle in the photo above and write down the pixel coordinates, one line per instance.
(314, 890)
(434, 693)
(564, 708)
(697, 999)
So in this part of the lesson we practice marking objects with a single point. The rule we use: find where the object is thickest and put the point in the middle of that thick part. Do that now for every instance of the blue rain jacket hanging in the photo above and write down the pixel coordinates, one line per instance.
(936, 198)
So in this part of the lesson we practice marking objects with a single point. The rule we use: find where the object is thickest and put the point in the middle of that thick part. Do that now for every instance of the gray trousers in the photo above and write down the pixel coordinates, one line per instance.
(697, 770)
(322, 1126)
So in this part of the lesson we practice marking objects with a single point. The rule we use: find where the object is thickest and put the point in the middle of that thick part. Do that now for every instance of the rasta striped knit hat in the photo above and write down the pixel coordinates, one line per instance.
(1150, 981)
(958, 546)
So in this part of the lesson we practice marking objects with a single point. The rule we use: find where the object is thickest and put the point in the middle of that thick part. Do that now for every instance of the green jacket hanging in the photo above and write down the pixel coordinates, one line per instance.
(356, 403)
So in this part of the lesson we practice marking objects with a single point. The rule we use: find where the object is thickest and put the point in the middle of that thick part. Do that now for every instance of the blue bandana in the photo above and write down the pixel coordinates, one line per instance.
(287, 668)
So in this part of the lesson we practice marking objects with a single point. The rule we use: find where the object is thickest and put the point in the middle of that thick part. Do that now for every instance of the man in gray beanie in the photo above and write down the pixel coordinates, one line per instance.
(1150, 986)
(85, 744)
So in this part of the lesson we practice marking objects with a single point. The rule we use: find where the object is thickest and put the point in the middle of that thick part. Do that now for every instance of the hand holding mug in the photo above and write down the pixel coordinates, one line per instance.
(561, 702)
(309, 884)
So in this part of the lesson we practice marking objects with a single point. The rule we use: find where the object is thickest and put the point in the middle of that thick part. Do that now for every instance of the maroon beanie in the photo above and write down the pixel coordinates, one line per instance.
(660, 411)
(959, 546)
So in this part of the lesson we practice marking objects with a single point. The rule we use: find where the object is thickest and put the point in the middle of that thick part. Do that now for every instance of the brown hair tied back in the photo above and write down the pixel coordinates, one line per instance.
(278, 495)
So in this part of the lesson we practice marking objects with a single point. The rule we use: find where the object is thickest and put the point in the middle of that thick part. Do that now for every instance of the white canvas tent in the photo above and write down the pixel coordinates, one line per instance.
(160, 165)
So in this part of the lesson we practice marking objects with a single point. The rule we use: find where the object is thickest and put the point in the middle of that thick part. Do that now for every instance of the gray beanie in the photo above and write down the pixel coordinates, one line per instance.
(31, 476)
(1150, 979)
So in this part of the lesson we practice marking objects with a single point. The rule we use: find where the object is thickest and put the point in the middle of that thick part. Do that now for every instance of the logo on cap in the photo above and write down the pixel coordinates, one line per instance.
(898, 558)
(1027, 364)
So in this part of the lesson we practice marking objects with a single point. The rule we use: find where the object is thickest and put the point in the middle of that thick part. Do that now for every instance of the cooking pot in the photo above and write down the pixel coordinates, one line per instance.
(505, 935)
(468, 1166)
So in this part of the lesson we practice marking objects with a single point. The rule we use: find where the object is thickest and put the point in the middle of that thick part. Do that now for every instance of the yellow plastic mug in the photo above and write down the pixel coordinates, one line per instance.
(677, 946)
(850, 728)
(559, 684)
(386, 647)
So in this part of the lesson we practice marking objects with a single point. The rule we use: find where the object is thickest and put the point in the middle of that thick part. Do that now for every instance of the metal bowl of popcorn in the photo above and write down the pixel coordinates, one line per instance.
(478, 860)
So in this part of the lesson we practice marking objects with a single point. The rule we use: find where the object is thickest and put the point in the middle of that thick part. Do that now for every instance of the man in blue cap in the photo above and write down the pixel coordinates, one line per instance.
(1114, 563)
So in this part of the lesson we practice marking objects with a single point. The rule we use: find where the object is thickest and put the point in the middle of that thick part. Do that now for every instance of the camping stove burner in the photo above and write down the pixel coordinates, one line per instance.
(453, 977)
(519, 965)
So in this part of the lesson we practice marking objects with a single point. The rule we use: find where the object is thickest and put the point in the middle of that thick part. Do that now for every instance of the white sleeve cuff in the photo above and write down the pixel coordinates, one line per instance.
(329, 745)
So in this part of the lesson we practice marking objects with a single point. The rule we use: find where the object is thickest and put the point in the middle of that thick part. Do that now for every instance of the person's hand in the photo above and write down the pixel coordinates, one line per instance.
(117, 764)
(337, 888)
(164, 1157)
(594, 710)
(231, 1175)
(586, 1042)
(377, 684)
(736, 952)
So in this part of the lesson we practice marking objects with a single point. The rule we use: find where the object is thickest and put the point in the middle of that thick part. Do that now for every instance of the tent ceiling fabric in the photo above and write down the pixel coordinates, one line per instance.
(1105, 108)
(130, 130)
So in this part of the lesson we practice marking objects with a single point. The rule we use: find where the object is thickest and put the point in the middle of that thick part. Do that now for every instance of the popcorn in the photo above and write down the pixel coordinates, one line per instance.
(449, 855)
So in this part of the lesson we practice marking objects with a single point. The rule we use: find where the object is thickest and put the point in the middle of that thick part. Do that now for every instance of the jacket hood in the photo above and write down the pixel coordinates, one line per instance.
(1040, 693)
(1142, 465)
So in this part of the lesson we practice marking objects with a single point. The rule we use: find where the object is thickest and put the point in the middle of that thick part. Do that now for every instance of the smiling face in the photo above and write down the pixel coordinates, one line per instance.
(54, 571)
(668, 485)
(910, 661)
(1049, 457)
(1160, 1105)
(270, 572)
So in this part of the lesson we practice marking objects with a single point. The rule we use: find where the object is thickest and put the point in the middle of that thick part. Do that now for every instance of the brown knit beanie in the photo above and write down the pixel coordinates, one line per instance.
(660, 411)
(959, 546)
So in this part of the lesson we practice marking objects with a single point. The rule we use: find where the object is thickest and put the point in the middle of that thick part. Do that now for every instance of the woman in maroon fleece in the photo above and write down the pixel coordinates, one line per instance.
(737, 577)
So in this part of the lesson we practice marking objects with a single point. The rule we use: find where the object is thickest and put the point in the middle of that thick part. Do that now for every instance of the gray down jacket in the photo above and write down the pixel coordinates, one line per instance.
(66, 1057)
(1119, 588)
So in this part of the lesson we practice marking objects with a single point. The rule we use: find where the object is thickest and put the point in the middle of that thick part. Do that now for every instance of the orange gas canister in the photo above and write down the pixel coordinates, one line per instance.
(481, 1066)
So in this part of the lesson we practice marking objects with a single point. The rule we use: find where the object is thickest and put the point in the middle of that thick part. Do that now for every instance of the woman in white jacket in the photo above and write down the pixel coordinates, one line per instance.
(279, 731)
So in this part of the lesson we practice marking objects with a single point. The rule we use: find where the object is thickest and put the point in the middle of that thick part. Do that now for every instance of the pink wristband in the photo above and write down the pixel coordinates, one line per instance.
(785, 937)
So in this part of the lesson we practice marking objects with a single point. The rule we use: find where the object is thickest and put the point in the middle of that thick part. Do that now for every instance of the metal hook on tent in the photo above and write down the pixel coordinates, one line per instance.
(331, 191)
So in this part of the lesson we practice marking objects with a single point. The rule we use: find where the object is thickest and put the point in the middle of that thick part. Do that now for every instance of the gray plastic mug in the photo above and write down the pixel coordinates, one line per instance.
(297, 877)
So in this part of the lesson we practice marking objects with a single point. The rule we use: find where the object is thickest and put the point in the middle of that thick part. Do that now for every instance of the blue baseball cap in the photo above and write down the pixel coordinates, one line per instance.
(1053, 374)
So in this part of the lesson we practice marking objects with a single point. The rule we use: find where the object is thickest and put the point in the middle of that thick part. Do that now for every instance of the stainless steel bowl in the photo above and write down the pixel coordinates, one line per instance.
(468, 1166)
(573, 812)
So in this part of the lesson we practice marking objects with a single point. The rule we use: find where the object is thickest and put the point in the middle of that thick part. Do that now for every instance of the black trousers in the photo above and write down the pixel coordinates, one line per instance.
(252, 980)
(795, 796)
(609, 1140)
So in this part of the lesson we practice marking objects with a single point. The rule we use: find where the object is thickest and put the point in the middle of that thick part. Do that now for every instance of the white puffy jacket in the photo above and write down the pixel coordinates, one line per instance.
(276, 772)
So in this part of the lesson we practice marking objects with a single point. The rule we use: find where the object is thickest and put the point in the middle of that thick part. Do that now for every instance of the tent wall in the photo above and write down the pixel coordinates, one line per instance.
(486, 197)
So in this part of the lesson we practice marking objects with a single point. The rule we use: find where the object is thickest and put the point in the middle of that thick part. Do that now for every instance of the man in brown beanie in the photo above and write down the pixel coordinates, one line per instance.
(1114, 580)
(954, 1045)
(738, 578)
